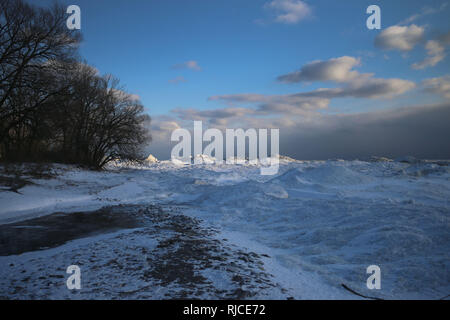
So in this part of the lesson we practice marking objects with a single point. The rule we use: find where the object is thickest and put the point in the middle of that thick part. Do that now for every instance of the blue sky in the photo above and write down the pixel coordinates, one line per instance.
(241, 47)
(140, 41)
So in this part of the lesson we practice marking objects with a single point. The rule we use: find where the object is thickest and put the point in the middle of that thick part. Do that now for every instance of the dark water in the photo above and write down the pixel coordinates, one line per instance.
(56, 229)
(166, 255)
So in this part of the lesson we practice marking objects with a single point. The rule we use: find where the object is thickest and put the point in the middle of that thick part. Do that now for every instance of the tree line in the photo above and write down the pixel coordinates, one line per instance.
(53, 105)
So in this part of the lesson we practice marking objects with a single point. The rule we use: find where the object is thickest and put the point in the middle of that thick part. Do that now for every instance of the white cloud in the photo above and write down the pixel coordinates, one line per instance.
(435, 52)
(306, 103)
(135, 97)
(162, 126)
(289, 11)
(295, 104)
(177, 80)
(439, 85)
(371, 88)
(376, 88)
(339, 70)
(336, 69)
(403, 38)
(191, 64)
(122, 94)
(194, 114)
(355, 84)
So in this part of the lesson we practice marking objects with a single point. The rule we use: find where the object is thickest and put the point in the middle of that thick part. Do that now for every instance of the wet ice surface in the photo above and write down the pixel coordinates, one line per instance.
(313, 226)
(56, 229)
(170, 256)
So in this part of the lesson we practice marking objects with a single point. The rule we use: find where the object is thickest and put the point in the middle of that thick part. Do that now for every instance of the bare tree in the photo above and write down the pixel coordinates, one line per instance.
(96, 120)
(53, 107)
(123, 127)
(30, 38)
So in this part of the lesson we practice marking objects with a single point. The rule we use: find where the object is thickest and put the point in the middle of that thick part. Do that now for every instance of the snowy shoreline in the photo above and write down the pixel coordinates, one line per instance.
(320, 222)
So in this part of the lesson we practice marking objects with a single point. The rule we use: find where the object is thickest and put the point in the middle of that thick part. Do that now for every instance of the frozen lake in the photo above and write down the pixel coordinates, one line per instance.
(299, 234)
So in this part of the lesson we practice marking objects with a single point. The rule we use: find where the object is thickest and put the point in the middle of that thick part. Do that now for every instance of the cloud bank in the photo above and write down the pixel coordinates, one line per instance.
(307, 133)
(421, 131)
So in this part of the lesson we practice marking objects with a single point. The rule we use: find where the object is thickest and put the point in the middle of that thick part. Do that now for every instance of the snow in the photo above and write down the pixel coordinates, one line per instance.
(204, 159)
(318, 224)
(407, 159)
(151, 159)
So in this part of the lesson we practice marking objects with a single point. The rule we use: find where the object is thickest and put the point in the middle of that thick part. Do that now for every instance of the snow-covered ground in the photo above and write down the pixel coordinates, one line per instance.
(301, 233)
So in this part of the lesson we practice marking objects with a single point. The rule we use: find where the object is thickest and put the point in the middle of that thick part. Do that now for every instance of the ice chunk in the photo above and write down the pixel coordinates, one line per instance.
(151, 159)
(407, 159)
